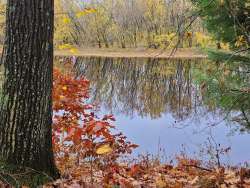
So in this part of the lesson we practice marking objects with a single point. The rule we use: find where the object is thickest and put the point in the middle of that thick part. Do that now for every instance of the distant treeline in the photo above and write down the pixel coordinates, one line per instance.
(126, 23)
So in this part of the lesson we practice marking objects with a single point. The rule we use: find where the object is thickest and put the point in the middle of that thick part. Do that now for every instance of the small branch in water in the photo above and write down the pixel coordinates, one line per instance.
(245, 117)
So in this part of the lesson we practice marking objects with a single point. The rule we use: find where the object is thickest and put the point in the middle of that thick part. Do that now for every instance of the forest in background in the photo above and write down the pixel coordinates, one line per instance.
(125, 24)
(156, 24)
(164, 24)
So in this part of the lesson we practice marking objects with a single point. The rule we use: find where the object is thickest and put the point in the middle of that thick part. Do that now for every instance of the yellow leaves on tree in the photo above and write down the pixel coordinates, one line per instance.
(104, 149)
(62, 28)
(69, 47)
(155, 10)
(167, 40)
(73, 50)
(66, 20)
(65, 46)
(203, 40)
(240, 41)
(85, 12)
(225, 46)
(63, 23)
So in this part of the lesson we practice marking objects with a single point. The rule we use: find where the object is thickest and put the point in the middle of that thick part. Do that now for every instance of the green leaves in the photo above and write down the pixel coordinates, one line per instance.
(226, 20)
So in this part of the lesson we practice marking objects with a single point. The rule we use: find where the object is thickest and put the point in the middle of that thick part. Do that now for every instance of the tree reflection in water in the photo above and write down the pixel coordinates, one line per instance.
(153, 87)
(147, 87)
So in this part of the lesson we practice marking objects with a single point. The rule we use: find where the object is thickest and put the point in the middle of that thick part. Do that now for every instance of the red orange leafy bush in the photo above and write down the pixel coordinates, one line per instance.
(79, 136)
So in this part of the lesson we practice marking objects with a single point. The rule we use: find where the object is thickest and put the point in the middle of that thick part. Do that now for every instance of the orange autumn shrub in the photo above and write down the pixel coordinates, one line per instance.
(78, 134)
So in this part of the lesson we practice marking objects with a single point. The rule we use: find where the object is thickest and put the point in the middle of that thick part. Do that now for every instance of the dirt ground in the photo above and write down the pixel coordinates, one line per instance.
(129, 53)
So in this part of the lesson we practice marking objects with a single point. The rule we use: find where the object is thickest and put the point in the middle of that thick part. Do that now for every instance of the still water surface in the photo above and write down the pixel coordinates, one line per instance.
(174, 105)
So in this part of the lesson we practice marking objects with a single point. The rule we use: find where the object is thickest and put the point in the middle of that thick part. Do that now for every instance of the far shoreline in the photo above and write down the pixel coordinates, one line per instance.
(182, 53)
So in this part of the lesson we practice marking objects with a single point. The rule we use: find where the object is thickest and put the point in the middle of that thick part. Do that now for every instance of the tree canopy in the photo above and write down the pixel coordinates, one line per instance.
(227, 20)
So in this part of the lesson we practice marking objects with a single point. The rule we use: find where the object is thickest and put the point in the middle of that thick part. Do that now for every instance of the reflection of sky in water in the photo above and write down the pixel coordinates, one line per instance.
(172, 135)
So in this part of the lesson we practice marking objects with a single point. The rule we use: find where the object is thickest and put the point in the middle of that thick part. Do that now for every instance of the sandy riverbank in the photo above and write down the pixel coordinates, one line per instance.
(130, 53)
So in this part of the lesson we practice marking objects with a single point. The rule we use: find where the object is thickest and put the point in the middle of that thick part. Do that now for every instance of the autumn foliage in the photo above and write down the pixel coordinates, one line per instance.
(79, 136)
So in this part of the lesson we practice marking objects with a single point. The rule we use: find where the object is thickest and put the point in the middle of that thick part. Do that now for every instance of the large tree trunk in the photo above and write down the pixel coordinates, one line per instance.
(26, 107)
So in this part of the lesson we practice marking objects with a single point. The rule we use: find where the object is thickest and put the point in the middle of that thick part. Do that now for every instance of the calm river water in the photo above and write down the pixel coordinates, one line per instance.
(170, 106)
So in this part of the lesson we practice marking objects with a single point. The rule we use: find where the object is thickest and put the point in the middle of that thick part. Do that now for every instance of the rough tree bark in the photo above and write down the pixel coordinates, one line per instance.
(26, 106)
